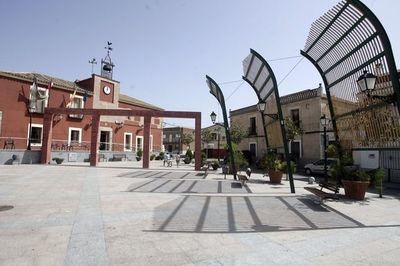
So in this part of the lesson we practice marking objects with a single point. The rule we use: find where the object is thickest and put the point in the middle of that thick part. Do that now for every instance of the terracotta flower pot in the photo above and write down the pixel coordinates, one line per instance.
(355, 189)
(275, 176)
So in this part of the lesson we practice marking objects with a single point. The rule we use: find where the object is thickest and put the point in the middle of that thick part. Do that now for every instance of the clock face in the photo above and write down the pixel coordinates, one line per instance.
(107, 90)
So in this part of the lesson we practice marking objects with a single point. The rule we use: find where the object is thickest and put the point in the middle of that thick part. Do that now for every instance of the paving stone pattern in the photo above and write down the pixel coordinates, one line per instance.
(238, 214)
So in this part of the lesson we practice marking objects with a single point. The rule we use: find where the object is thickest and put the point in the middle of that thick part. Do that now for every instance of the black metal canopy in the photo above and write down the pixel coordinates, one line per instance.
(216, 91)
(261, 78)
(342, 44)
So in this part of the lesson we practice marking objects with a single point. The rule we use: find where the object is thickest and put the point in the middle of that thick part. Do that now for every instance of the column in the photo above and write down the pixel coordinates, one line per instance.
(47, 138)
(197, 144)
(94, 147)
(146, 141)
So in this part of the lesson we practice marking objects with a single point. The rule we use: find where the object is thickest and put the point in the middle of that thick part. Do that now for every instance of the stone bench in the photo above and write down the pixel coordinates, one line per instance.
(119, 157)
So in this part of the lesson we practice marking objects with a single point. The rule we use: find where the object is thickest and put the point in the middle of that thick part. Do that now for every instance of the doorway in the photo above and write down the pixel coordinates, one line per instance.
(253, 152)
(105, 139)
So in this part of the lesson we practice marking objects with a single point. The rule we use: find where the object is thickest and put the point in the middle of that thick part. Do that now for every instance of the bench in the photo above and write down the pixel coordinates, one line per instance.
(205, 169)
(9, 144)
(102, 157)
(119, 157)
(242, 178)
(322, 194)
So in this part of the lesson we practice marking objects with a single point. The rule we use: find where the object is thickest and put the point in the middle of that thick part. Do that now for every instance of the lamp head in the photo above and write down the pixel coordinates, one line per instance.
(366, 82)
(213, 117)
(261, 106)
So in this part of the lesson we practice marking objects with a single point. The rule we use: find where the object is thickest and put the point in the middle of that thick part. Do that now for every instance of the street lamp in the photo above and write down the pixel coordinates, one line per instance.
(366, 82)
(261, 107)
(213, 119)
(324, 122)
(31, 109)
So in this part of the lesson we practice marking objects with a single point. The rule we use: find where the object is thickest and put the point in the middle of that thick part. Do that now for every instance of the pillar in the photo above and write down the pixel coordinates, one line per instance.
(47, 138)
(146, 141)
(197, 143)
(94, 147)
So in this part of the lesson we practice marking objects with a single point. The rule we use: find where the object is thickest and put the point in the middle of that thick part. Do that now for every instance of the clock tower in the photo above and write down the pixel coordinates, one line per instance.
(105, 89)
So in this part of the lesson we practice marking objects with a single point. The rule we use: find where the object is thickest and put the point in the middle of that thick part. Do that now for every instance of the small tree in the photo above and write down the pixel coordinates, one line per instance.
(292, 130)
(237, 134)
(206, 136)
(189, 154)
(186, 139)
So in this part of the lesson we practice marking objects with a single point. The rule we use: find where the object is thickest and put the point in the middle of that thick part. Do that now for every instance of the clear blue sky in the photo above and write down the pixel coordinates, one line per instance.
(163, 49)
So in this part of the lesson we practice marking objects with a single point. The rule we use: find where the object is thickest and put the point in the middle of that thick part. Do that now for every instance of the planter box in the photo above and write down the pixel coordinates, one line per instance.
(355, 189)
(275, 176)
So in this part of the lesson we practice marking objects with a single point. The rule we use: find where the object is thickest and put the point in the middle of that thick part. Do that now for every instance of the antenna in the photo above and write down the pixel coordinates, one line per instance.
(93, 62)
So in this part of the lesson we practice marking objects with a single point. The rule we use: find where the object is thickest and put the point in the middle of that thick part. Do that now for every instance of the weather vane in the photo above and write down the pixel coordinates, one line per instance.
(93, 62)
(108, 48)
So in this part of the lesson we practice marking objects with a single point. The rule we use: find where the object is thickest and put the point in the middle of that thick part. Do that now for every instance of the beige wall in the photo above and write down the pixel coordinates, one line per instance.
(310, 111)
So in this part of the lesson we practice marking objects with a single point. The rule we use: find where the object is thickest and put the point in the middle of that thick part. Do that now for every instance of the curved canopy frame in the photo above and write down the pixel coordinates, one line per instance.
(261, 78)
(216, 91)
(342, 44)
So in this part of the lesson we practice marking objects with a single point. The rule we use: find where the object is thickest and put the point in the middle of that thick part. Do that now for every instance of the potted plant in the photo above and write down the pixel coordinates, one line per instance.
(188, 157)
(274, 167)
(376, 179)
(215, 165)
(355, 184)
(355, 181)
(139, 154)
(58, 160)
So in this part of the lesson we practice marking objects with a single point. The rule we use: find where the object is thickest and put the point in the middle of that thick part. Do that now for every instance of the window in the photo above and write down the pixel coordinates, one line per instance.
(295, 115)
(74, 135)
(77, 102)
(170, 137)
(36, 134)
(151, 143)
(253, 127)
(127, 141)
(164, 136)
(139, 143)
(42, 101)
(214, 136)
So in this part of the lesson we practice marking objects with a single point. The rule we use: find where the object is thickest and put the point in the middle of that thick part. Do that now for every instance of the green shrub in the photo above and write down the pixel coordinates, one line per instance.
(152, 157)
(139, 153)
(189, 154)
(215, 165)
(203, 158)
(58, 160)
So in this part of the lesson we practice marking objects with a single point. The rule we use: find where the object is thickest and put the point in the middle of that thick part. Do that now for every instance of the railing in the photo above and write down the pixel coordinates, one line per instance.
(11, 143)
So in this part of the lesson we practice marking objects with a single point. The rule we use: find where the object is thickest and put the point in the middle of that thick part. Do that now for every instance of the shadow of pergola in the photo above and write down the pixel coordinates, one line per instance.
(242, 214)
(190, 185)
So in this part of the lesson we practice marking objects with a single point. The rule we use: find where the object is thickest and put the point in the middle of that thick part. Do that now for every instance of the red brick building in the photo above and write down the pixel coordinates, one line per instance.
(72, 132)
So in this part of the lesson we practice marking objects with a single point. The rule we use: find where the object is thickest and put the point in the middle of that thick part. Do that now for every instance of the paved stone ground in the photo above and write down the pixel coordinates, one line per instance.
(118, 215)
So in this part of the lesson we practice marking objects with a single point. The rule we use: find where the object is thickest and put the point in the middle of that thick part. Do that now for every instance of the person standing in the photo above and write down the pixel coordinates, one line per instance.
(165, 158)
(177, 158)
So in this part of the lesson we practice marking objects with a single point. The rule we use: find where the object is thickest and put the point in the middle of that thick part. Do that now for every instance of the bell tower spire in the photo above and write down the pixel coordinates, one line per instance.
(107, 65)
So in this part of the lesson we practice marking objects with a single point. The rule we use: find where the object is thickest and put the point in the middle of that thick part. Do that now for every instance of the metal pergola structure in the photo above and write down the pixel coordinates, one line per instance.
(216, 91)
(261, 78)
(342, 44)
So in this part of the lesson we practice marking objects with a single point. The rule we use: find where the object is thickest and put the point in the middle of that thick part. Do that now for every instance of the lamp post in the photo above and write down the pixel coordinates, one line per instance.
(324, 122)
(30, 111)
(213, 119)
(31, 108)
(366, 82)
